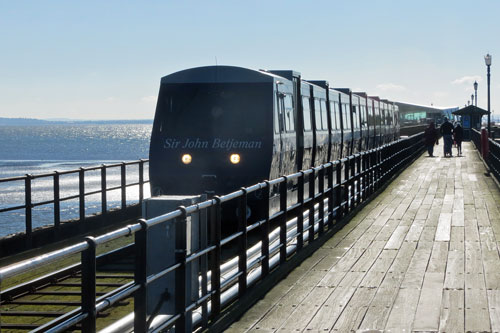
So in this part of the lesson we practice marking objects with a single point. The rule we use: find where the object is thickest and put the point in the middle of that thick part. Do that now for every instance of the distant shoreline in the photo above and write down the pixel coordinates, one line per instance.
(42, 122)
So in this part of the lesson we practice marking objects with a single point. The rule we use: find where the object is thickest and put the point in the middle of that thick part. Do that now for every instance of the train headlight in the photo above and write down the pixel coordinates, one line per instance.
(186, 158)
(235, 158)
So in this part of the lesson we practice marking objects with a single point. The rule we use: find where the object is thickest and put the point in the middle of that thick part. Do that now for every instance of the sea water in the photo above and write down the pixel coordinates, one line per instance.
(44, 149)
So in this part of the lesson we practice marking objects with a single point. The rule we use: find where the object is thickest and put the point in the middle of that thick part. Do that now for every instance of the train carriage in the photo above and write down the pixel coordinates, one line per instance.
(219, 128)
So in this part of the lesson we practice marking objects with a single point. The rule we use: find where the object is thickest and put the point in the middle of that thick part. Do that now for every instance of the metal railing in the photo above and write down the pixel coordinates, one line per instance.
(76, 188)
(335, 189)
(493, 158)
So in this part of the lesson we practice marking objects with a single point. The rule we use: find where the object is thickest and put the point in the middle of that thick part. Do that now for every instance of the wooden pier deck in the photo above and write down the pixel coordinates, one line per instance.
(421, 257)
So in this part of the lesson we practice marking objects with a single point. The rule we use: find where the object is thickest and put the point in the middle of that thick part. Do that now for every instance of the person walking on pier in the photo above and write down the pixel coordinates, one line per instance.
(431, 138)
(447, 131)
(458, 136)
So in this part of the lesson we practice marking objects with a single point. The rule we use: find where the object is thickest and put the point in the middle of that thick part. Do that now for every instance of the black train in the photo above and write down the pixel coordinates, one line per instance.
(219, 128)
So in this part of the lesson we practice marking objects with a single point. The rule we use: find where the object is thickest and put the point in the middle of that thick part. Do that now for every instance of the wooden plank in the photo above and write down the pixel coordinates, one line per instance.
(452, 311)
(397, 238)
(494, 308)
(473, 263)
(477, 316)
(457, 239)
(416, 270)
(330, 310)
(285, 306)
(377, 272)
(429, 305)
(380, 307)
(443, 231)
(403, 311)
(437, 262)
(455, 268)
(331, 259)
(415, 231)
(355, 311)
(302, 314)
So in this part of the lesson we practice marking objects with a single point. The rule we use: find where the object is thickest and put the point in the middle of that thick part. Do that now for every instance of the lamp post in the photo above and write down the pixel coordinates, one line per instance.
(472, 99)
(487, 60)
(475, 90)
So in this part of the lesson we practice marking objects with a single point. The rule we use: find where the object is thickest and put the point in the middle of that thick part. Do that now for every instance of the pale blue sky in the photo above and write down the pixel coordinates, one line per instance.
(104, 59)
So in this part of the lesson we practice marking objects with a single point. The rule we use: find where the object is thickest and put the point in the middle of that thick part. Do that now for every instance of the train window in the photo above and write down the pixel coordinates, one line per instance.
(307, 113)
(277, 113)
(289, 117)
(355, 117)
(231, 110)
(363, 116)
(346, 115)
(317, 114)
(337, 115)
(324, 116)
(371, 118)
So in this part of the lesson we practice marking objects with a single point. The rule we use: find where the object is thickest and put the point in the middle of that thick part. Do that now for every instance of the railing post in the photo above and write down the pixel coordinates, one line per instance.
(242, 243)
(329, 171)
(265, 231)
(57, 204)
(300, 216)
(321, 206)
(81, 196)
(28, 209)
(123, 185)
(89, 286)
(215, 218)
(183, 324)
(141, 181)
(358, 178)
(283, 219)
(338, 192)
(104, 192)
(347, 178)
(140, 278)
(310, 205)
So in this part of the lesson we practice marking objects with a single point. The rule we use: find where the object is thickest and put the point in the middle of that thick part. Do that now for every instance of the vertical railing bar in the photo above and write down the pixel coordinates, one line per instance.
(300, 216)
(242, 243)
(123, 185)
(216, 216)
(28, 210)
(57, 204)
(204, 264)
(321, 213)
(104, 190)
(330, 195)
(89, 286)
(140, 278)
(183, 324)
(338, 192)
(312, 186)
(283, 219)
(265, 231)
(141, 181)
(81, 195)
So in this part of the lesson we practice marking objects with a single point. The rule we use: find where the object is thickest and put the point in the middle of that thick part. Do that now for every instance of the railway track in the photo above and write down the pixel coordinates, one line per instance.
(42, 303)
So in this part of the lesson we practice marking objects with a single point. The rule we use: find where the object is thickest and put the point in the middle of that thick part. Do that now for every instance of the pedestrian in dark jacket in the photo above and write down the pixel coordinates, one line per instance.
(447, 131)
(430, 138)
(458, 136)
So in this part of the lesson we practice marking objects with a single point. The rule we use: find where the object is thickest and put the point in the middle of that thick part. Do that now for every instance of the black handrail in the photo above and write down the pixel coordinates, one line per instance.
(78, 175)
(364, 173)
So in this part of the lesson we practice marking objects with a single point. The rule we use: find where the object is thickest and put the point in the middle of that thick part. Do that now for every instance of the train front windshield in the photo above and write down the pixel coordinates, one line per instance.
(209, 110)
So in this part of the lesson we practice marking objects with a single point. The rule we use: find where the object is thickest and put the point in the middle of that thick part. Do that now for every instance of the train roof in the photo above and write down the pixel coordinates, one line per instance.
(286, 73)
(344, 90)
(214, 74)
(321, 83)
(362, 94)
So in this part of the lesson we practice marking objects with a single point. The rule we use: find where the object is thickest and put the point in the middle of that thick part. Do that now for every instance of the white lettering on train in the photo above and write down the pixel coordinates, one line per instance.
(216, 143)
